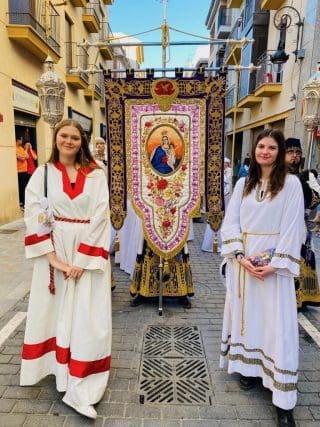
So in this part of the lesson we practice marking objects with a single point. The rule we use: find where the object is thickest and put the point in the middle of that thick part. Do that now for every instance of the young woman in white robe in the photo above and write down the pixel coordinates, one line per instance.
(260, 328)
(68, 330)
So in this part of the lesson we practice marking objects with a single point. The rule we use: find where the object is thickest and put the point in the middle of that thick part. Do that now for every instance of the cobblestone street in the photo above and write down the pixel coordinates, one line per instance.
(121, 405)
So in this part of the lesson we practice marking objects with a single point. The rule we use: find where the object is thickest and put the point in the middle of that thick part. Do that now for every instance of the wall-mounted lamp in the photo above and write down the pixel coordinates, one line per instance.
(51, 90)
(282, 20)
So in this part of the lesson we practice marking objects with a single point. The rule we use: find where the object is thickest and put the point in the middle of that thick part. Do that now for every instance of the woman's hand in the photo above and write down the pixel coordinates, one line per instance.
(57, 264)
(266, 270)
(251, 269)
(74, 272)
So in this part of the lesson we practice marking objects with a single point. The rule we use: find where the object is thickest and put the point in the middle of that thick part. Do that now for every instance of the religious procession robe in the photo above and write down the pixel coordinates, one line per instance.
(69, 334)
(260, 327)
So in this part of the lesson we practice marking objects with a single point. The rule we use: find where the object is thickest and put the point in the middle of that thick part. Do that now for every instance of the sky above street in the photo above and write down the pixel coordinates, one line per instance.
(135, 16)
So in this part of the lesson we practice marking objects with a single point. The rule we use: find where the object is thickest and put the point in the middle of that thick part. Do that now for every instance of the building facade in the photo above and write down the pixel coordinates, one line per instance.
(32, 30)
(272, 95)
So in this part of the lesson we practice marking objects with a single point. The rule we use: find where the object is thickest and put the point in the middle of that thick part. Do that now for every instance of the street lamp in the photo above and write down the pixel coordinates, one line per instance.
(283, 19)
(311, 109)
(51, 91)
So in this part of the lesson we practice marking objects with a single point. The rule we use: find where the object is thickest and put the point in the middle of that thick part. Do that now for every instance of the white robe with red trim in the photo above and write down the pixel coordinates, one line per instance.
(69, 334)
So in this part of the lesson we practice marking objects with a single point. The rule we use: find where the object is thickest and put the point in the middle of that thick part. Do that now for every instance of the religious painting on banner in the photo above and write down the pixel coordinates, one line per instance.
(165, 142)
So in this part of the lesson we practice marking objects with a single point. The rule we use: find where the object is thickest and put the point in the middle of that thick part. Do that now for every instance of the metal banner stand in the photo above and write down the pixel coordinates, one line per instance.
(160, 286)
(164, 43)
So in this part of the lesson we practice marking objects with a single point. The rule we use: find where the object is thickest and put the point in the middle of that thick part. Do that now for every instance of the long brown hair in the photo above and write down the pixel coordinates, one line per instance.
(279, 171)
(83, 157)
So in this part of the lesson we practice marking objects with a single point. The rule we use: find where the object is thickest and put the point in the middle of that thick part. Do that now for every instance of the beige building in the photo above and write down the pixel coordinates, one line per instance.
(270, 96)
(32, 30)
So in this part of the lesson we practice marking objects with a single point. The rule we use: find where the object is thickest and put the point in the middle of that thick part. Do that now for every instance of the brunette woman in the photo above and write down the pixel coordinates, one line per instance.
(264, 220)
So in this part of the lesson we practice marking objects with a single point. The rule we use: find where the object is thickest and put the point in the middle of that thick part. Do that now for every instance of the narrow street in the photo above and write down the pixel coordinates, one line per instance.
(165, 370)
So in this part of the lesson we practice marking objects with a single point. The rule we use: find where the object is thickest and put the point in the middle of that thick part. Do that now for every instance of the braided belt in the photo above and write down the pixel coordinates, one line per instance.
(75, 221)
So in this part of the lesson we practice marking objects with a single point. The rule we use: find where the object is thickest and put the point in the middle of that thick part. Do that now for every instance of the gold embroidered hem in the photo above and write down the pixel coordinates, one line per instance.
(177, 276)
(256, 350)
(271, 372)
(276, 384)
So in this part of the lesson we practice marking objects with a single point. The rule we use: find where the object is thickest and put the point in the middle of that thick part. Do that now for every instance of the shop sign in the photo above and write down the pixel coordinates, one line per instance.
(25, 101)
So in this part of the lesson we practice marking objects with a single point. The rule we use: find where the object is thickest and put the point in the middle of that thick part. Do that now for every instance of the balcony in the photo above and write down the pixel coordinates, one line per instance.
(268, 77)
(76, 59)
(27, 28)
(231, 106)
(94, 89)
(92, 92)
(249, 101)
(233, 51)
(90, 17)
(234, 4)
(224, 23)
(78, 3)
(104, 36)
(271, 4)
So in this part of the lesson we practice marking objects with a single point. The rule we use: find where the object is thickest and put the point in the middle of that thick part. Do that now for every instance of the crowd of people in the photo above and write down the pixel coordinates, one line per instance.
(69, 236)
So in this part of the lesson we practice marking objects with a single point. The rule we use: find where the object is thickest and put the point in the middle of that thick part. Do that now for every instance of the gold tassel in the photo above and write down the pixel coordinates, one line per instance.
(117, 243)
(215, 244)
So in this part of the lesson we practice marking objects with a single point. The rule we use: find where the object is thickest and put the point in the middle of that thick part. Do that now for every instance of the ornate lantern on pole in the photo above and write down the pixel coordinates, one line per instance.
(311, 110)
(51, 91)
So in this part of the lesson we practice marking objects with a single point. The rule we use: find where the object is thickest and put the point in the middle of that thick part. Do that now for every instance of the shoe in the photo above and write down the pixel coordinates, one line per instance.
(316, 218)
(137, 301)
(86, 410)
(184, 301)
(247, 383)
(285, 418)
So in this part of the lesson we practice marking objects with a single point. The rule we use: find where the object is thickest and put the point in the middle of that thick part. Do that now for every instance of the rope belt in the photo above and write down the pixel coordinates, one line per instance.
(75, 221)
(245, 235)
(51, 285)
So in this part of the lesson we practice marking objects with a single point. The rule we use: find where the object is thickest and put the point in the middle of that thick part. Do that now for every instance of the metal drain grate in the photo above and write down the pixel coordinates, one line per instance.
(7, 231)
(173, 368)
(176, 341)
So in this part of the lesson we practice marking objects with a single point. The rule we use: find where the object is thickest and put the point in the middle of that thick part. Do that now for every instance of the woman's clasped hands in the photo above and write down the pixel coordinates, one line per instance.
(259, 272)
(69, 271)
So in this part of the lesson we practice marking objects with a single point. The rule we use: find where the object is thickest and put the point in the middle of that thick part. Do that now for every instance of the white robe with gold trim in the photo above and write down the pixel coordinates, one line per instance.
(260, 328)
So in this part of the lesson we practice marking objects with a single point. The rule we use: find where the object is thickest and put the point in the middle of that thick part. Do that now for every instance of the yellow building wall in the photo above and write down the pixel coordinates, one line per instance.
(16, 63)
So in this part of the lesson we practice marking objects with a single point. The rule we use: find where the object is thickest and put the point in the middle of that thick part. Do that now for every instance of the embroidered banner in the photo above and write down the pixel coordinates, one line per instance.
(165, 146)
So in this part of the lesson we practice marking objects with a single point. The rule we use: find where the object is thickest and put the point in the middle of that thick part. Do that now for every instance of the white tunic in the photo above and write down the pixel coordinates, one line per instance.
(260, 328)
(69, 334)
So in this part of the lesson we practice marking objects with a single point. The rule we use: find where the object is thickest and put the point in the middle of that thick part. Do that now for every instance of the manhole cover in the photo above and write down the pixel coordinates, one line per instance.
(173, 367)
(8, 231)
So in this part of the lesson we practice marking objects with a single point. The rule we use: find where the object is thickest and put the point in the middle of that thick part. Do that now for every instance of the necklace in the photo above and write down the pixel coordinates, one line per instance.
(262, 190)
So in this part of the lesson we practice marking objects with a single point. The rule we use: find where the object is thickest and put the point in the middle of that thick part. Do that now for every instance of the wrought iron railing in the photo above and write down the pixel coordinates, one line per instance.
(32, 14)
(93, 8)
(269, 72)
(77, 58)
(235, 34)
(224, 17)
(105, 32)
(230, 97)
(101, 88)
